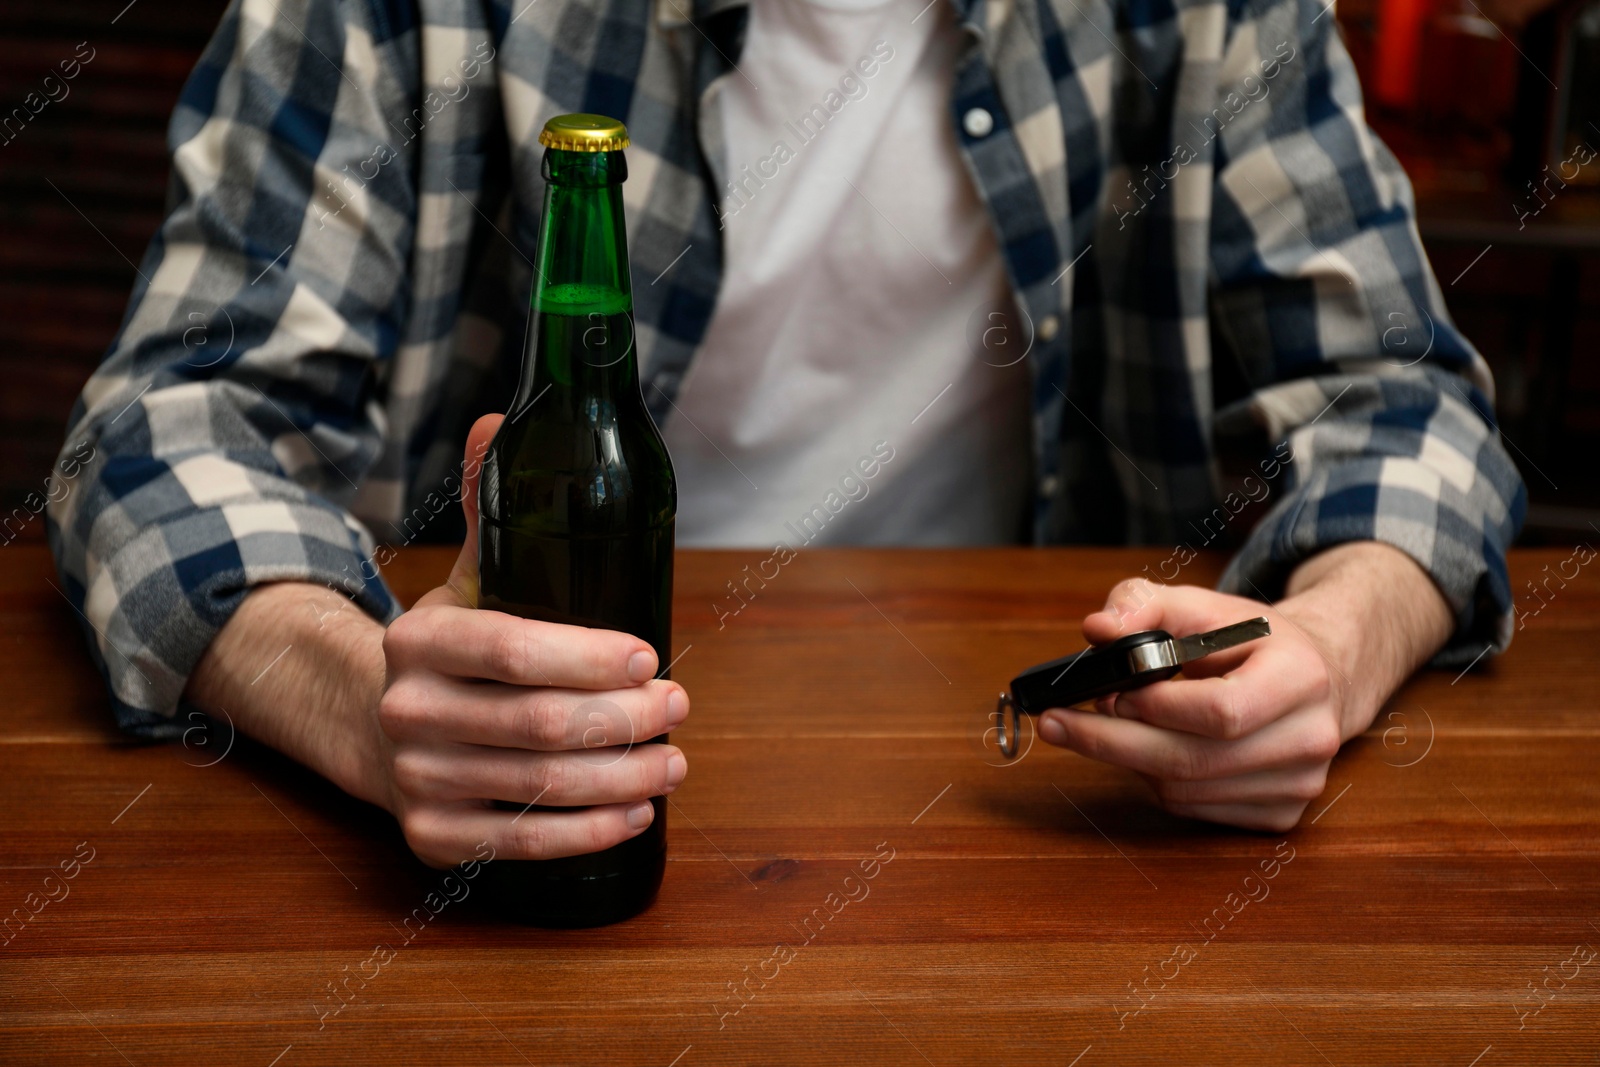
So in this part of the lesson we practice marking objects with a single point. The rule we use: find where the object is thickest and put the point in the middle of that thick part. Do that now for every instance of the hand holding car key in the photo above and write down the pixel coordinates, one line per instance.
(1127, 663)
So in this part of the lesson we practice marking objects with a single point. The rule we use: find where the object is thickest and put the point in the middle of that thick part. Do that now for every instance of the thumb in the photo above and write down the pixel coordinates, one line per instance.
(461, 588)
(1139, 604)
(1132, 605)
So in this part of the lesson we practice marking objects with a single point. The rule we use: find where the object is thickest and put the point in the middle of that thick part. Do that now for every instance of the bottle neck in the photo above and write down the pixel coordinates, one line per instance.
(580, 344)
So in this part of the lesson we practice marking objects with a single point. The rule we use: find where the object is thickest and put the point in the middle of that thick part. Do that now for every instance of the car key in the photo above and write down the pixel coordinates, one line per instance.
(1127, 663)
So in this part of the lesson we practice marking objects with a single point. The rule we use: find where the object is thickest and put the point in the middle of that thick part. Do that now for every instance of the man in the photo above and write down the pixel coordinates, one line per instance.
(1071, 272)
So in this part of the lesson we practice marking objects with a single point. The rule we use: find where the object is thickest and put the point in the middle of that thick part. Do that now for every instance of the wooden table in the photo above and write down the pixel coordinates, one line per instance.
(1453, 864)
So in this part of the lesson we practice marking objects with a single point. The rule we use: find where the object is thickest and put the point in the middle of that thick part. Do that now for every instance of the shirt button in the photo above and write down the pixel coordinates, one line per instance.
(1049, 485)
(977, 122)
(1049, 326)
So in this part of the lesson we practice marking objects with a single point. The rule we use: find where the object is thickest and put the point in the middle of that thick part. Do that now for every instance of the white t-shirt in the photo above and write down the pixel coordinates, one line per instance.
(839, 396)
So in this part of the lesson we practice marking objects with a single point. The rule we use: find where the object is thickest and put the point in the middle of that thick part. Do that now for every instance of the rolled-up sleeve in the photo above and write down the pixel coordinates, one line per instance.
(221, 442)
(1380, 412)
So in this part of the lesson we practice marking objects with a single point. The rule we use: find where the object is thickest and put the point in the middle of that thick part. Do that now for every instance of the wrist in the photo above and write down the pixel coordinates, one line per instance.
(349, 656)
(1374, 614)
(300, 668)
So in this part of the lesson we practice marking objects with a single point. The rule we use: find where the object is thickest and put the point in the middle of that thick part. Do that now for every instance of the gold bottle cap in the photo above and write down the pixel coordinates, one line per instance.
(584, 133)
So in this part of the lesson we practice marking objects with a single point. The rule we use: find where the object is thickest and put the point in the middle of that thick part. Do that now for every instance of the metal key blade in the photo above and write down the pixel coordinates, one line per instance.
(1197, 645)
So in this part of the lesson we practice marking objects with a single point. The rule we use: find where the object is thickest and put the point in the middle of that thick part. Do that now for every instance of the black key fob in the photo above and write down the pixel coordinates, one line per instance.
(1126, 663)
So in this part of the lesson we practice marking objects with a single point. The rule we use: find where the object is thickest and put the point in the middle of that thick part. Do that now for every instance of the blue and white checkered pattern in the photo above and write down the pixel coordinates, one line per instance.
(341, 285)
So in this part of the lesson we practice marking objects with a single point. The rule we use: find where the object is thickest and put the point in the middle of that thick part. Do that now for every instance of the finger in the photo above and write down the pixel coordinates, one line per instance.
(461, 588)
(473, 643)
(1281, 785)
(444, 836)
(1275, 818)
(559, 779)
(1267, 686)
(1306, 736)
(423, 707)
(1217, 663)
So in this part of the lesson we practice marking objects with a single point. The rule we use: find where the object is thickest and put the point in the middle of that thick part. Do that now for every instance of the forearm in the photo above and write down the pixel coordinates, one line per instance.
(1375, 614)
(301, 668)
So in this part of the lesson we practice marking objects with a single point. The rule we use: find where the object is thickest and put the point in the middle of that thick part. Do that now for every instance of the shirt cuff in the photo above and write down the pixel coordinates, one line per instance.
(1379, 499)
(156, 602)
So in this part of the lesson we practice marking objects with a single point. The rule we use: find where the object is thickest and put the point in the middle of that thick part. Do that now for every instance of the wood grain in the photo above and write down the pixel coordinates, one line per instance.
(1453, 861)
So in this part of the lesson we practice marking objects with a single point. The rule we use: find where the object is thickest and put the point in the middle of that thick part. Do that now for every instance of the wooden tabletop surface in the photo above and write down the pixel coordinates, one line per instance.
(1438, 905)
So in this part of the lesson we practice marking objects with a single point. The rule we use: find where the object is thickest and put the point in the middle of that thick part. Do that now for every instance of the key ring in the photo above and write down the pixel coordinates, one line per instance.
(1008, 724)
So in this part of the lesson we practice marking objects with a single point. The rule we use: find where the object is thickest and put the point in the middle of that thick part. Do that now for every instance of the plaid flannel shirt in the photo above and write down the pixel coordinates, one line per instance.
(1216, 259)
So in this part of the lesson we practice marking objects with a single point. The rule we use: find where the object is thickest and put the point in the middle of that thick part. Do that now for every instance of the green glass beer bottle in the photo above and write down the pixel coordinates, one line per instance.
(577, 497)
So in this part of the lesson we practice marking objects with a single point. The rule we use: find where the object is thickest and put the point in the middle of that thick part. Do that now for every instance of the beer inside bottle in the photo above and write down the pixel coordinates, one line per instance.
(577, 497)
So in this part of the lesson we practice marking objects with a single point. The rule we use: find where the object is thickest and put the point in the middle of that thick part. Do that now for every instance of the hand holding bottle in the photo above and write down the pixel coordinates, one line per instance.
(481, 705)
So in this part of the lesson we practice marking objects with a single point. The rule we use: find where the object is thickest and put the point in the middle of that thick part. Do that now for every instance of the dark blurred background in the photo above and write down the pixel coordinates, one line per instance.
(1493, 108)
